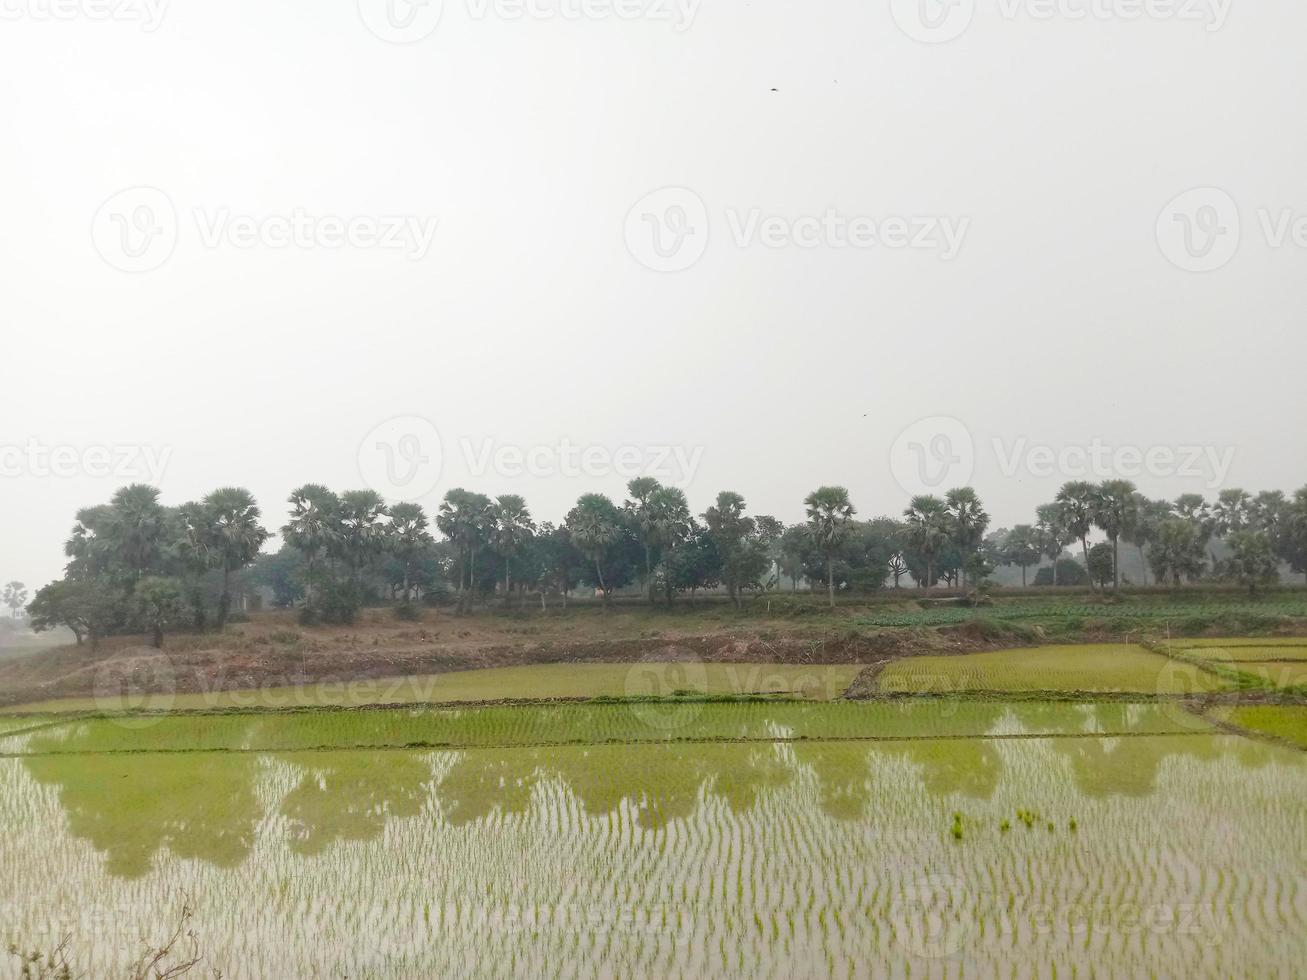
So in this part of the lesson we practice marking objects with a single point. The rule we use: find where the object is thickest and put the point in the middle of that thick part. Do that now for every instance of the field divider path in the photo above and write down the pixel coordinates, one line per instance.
(573, 743)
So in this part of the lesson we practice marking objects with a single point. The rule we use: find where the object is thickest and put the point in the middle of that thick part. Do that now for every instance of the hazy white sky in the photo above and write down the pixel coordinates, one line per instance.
(870, 224)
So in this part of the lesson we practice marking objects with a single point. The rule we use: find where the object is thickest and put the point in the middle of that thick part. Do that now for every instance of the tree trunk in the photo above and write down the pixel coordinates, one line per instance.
(599, 574)
(648, 574)
(830, 580)
(508, 584)
(1084, 549)
(1023, 576)
(1143, 564)
(224, 604)
(156, 637)
(1116, 564)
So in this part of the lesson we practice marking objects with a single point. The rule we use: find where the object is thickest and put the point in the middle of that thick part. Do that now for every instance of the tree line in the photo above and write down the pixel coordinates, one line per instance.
(135, 564)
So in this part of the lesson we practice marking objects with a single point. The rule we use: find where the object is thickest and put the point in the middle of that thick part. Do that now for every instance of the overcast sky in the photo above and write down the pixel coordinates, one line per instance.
(241, 238)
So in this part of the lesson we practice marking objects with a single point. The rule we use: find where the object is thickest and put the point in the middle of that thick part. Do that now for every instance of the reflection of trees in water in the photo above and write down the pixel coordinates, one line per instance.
(351, 795)
(129, 807)
(663, 782)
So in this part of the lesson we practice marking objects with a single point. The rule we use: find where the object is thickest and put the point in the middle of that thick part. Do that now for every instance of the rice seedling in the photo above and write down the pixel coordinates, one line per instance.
(1101, 668)
(768, 859)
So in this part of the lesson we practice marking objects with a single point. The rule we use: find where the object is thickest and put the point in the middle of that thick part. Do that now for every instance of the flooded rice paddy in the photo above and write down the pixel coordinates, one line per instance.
(764, 839)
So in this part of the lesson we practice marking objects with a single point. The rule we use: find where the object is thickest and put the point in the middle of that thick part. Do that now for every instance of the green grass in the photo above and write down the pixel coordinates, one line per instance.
(816, 682)
(1283, 676)
(1244, 653)
(1131, 611)
(1281, 721)
(1099, 668)
(643, 722)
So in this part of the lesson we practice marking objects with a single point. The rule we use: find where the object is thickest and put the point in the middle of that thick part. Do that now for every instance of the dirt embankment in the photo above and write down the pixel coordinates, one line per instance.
(254, 657)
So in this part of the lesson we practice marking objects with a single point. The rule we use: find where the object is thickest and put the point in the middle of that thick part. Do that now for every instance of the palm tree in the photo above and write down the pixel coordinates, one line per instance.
(969, 522)
(667, 516)
(929, 529)
(15, 597)
(363, 528)
(408, 536)
(1114, 513)
(1053, 535)
(642, 489)
(595, 526)
(234, 536)
(511, 528)
(314, 526)
(1079, 500)
(829, 512)
(1148, 518)
(465, 519)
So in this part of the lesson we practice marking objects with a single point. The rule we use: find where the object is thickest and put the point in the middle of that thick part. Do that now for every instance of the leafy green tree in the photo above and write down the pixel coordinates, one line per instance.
(88, 608)
(1177, 551)
(1253, 562)
(1114, 513)
(1068, 571)
(968, 522)
(695, 564)
(1294, 534)
(363, 530)
(122, 541)
(829, 511)
(669, 524)
(1021, 547)
(1101, 564)
(157, 605)
(282, 573)
(929, 532)
(743, 555)
(642, 489)
(233, 535)
(1079, 502)
(558, 561)
(1051, 527)
(511, 528)
(1232, 512)
(408, 539)
(595, 525)
(465, 519)
(15, 597)
(314, 528)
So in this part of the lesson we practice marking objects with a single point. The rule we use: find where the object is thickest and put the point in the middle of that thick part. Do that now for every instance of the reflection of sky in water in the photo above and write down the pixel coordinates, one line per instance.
(742, 858)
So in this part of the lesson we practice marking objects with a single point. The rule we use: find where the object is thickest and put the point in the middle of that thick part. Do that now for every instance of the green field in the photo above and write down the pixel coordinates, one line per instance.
(776, 834)
(757, 859)
(1280, 721)
(513, 726)
(813, 681)
(1105, 668)
(1140, 611)
(1247, 653)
